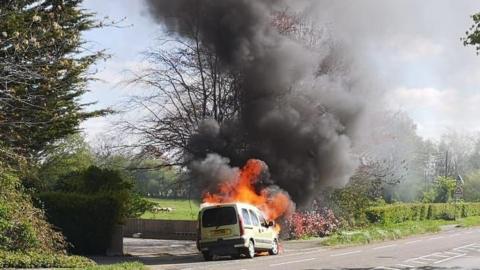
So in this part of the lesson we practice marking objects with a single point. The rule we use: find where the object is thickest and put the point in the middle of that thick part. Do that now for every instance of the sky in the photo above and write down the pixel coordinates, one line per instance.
(413, 49)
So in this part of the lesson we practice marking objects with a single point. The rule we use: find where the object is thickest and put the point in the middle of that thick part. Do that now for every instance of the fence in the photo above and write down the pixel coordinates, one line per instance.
(161, 229)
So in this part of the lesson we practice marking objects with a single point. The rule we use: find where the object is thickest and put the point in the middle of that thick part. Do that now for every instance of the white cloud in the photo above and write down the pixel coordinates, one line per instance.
(436, 110)
(411, 47)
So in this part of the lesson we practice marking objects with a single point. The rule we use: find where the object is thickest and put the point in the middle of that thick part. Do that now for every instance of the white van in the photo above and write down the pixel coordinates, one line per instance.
(234, 229)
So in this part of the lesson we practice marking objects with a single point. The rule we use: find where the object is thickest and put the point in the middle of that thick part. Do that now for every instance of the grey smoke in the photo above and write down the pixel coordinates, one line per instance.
(299, 112)
(212, 171)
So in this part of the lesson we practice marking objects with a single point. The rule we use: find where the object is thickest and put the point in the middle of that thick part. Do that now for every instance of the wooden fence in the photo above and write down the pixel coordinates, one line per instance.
(161, 229)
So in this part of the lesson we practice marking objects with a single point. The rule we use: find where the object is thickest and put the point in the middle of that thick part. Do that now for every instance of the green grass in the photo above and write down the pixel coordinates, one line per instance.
(120, 266)
(376, 233)
(182, 210)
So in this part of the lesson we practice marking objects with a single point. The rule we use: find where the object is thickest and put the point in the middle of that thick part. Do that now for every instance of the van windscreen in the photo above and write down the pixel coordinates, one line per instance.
(220, 216)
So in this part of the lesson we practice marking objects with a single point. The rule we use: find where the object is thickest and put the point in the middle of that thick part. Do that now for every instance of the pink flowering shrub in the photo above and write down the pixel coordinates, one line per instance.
(312, 223)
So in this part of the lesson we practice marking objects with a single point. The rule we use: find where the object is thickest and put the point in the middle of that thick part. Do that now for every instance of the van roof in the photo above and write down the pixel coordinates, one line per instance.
(213, 205)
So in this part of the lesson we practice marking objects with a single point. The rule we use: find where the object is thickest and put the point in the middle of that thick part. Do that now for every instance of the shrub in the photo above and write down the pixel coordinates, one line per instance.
(86, 206)
(95, 180)
(397, 213)
(441, 192)
(87, 221)
(41, 260)
(22, 226)
(313, 223)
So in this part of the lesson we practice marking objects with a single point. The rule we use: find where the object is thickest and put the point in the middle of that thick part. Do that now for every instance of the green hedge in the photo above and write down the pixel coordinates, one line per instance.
(38, 260)
(396, 213)
(86, 221)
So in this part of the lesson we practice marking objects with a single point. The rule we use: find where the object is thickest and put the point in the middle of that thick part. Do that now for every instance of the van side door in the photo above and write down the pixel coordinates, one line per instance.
(247, 223)
(260, 240)
(267, 232)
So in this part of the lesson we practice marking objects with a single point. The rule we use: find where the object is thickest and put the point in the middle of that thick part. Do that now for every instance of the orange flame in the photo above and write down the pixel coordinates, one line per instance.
(242, 190)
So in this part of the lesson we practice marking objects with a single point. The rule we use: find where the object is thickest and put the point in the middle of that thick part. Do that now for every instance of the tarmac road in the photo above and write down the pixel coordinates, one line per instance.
(452, 249)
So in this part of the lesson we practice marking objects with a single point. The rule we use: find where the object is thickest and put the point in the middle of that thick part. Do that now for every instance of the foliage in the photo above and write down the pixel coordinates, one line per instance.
(150, 176)
(313, 223)
(382, 232)
(86, 221)
(95, 180)
(66, 156)
(10, 259)
(349, 203)
(23, 227)
(119, 266)
(441, 192)
(44, 72)
(87, 206)
(397, 213)
(471, 188)
(157, 182)
(473, 34)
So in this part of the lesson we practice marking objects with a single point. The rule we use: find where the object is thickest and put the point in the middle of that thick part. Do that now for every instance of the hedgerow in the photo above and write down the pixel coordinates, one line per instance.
(86, 221)
(397, 213)
(9, 259)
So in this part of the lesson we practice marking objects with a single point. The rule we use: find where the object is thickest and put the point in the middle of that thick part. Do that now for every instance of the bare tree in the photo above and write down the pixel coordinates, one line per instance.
(188, 84)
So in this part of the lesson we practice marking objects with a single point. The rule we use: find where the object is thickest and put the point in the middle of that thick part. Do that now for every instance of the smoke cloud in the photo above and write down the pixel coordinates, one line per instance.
(300, 107)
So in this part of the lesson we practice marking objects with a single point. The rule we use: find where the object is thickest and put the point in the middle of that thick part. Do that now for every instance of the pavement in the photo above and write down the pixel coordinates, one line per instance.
(454, 248)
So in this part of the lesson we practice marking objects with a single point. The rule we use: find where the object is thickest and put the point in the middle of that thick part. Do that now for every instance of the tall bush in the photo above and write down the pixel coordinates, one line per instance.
(87, 205)
(22, 226)
(86, 221)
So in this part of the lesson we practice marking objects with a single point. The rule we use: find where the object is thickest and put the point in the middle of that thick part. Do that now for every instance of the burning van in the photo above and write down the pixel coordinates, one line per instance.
(235, 229)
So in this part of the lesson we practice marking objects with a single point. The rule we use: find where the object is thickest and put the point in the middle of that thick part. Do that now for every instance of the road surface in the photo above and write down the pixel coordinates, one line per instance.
(452, 249)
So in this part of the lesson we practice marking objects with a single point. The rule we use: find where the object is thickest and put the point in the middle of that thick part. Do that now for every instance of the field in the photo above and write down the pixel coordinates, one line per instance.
(182, 209)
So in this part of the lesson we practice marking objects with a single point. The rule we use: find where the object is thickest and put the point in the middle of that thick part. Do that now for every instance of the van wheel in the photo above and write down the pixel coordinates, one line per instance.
(207, 256)
(274, 249)
(250, 252)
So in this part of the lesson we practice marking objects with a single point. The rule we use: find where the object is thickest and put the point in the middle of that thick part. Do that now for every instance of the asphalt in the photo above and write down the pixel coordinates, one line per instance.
(451, 249)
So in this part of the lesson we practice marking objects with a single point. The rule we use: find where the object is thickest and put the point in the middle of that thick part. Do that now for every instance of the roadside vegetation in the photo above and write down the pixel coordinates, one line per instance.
(382, 232)
(120, 266)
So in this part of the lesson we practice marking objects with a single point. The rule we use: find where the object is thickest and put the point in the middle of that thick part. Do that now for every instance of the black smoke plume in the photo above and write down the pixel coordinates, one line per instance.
(298, 115)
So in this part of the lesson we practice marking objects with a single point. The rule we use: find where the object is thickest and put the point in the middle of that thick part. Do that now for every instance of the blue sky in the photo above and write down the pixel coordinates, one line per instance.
(413, 48)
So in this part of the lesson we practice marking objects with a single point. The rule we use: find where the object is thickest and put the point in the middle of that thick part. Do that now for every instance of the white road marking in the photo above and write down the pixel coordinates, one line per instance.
(405, 265)
(302, 253)
(386, 268)
(290, 262)
(382, 247)
(451, 258)
(346, 253)
(435, 238)
(439, 255)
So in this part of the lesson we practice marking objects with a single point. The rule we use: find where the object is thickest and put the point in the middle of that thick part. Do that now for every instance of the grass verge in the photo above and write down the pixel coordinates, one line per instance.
(181, 209)
(376, 233)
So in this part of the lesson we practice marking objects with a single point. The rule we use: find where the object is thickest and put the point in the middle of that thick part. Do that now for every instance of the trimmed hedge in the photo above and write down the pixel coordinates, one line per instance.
(397, 213)
(86, 221)
(39, 260)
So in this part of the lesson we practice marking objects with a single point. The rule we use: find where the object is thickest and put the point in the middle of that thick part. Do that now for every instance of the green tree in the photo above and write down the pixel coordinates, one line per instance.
(471, 188)
(43, 72)
(472, 37)
(442, 191)
(64, 157)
